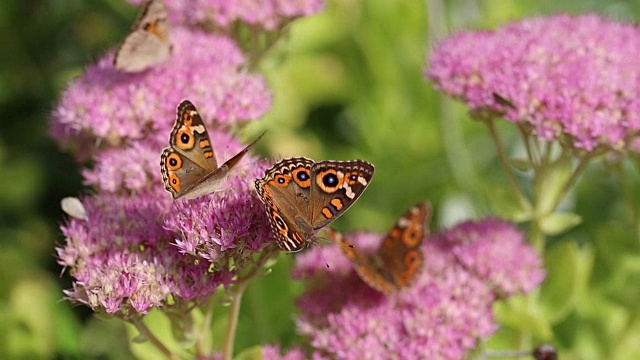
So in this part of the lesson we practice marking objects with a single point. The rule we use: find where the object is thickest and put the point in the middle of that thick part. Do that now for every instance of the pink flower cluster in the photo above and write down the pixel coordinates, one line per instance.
(122, 260)
(443, 314)
(107, 107)
(138, 249)
(266, 14)
(224, 223)
(573, 78)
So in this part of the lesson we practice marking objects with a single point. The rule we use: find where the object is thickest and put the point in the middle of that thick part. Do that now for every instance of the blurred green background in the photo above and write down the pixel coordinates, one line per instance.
(348, 84)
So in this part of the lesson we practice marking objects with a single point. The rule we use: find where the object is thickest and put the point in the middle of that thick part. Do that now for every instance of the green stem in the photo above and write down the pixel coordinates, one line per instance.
(234, 312)
(534, 158)
(626, 187)
(582, 164)
(232, 324)
(205, 329)
(504, 161)
(503, 354)
(146, 332)
(536, 236)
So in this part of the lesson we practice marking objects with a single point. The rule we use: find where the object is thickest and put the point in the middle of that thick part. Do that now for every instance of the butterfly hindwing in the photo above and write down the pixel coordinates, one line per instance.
(285, 190)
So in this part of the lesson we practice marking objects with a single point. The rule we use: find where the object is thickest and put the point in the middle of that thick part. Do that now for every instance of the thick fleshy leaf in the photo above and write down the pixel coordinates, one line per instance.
(558, 223)
(568, 268)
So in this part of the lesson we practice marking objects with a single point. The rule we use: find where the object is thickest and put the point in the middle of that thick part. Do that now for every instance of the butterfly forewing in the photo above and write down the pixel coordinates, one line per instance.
(336, 186)
(400, 252)
(190, 138)
(148, 42)
(188, 165)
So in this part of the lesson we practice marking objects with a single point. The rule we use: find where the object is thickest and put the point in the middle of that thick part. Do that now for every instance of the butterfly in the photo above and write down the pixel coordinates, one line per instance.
(302, 196)
(399, 259)
(148, 42)
(188, 165)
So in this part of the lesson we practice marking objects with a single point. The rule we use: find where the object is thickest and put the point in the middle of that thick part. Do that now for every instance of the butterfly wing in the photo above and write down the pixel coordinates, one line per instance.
(212, 181)
(365, 265)
(285, 191)
(336, 185)
(190, 156)
(400, 254)
(148, 42)
(399, 259)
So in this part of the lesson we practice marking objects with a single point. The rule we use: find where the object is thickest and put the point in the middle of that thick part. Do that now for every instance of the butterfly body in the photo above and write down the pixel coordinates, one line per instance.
(148, 42)
(399, 259)
(189, 168)
(301, 196)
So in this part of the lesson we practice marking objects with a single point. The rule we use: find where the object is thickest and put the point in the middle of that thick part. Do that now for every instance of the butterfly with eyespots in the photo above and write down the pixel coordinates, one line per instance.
(302, 196)
(399, 260)
(189, 168)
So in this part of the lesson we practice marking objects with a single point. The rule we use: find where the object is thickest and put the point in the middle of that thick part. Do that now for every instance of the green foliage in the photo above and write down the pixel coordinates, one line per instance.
(348, 83)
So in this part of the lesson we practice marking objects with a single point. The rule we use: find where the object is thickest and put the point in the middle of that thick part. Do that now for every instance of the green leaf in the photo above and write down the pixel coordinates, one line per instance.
(549, 186)
(506, 204)
(252, 353)
(518, 314)
(557, 223)
(160, 326)
(568, 268)
(521, 164)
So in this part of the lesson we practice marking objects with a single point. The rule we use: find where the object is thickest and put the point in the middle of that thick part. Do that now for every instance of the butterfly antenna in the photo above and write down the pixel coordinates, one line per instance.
(323, 257)
(316, 240)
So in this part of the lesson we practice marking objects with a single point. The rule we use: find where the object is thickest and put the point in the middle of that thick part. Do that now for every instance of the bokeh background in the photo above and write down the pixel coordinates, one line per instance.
(347, 83)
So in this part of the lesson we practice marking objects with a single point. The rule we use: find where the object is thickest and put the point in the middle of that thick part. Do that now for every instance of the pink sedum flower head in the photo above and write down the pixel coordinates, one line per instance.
(273, 352)
(444, 313)
(121, 259)
(480, 248)
(105, 106)
(137, 247)
(568, 78)
(127, 168)
(266, 14)
(226, 224)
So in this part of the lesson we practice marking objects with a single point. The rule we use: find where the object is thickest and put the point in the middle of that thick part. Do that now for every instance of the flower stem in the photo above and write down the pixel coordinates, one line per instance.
(232, 325)
(627, 190)
(503, 354)
(205, 329)
(502, 155)
(582, 164)
(234, 312)
(534, 158)
(146, 332)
